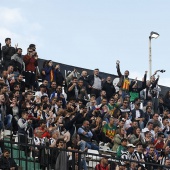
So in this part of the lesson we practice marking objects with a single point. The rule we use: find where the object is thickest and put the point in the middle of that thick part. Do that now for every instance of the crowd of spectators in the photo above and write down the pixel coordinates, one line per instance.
(81, 112)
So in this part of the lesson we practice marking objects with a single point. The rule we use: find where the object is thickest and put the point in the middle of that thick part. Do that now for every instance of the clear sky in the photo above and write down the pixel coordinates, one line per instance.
(92, 33)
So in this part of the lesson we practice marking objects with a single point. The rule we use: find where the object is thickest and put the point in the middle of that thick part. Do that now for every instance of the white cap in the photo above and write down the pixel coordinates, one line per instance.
(145, 130)
(131, 145)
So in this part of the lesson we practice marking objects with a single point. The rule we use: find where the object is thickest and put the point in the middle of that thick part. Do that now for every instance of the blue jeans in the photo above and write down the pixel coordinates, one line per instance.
(83, 145)
(7, 121)
(91, 145)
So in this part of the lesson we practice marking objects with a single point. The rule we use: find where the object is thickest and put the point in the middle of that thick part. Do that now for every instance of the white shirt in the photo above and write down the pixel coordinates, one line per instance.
(97, 83)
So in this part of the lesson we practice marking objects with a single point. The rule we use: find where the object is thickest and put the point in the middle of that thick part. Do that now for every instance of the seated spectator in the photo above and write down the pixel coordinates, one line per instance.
(152, 157)
(134, 125)
(138, 114)
(42, 92)
(159, 142)
(155, 131)
(103, 165)
(155, 120)
(129, 154)
(139, 155)
(165, 126)
(47, 115)
(59, 95)
(125, 107)
(55, 135)
(149, 127)
(82, 91)
(42, 129)
(52, 88)
(164, 155)
(96, 128)
(147, 115)
(136, 137)
(109, 130)
(147, 138)
(6, 162)
(19, 81)
(127, 121)
(73, 89)
(122, 148)
(86, 135)
(102, 95)
(118, 137)
(112, 104)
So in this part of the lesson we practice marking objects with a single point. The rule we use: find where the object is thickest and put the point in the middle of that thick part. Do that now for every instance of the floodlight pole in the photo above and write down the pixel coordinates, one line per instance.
(150, 58)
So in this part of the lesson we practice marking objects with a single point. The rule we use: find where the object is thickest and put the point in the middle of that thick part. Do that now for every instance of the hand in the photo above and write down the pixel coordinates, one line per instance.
(75, 70)
(117, 62)
(136, 79)
(74, 84)
(158, 141)
(146, 72)
(57, 66)
(155, 157)
(12, 81)
(12, 168)
(36, 57)
(16, 45)
(29, 121)
(81, 110)
(103, 79)
(158, 76)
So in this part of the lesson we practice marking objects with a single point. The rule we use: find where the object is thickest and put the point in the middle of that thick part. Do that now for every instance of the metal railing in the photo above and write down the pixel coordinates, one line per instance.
(27, 162)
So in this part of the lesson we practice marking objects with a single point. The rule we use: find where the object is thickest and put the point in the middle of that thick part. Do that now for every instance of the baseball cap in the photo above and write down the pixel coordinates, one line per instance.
(131, 145)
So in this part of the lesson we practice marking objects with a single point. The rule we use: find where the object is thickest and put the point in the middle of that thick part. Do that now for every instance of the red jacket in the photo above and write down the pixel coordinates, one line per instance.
(99, 167)
(30, 63)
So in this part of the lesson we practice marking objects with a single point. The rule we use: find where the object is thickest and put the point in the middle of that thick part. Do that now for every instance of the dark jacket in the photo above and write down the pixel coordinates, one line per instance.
(59, 78)
(109, 89)
(6, 164)
(134, 114)
(90, 80)
(8, 52)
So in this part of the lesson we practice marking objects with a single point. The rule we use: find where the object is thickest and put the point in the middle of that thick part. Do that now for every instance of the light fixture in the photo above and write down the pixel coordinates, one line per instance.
(154, 35)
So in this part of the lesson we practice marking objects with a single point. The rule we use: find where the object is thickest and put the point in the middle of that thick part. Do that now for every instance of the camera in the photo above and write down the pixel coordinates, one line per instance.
(162, 71)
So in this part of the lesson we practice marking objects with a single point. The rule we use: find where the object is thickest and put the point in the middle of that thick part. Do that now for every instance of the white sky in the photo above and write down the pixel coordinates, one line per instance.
(92, 33)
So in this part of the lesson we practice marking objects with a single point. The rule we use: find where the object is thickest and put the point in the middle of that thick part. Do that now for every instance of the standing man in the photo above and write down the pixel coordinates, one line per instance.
(95, 83)
(109, 88)
(8, 51)
(30, 60)
(124, 81)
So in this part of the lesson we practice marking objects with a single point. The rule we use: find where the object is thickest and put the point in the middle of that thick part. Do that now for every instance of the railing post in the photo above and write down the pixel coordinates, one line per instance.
(79, 161)
(73, 160)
